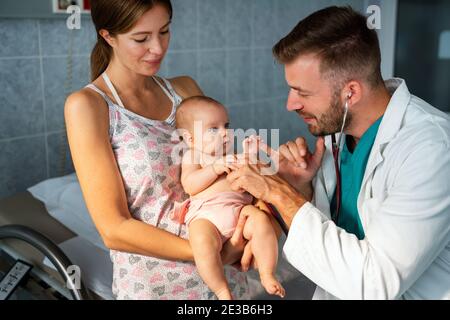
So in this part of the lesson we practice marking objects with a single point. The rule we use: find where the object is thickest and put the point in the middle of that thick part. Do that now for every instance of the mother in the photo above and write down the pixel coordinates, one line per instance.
(120, 130)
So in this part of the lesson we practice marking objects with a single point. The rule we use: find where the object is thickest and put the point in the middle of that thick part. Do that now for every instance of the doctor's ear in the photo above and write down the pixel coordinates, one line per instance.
(352, 93)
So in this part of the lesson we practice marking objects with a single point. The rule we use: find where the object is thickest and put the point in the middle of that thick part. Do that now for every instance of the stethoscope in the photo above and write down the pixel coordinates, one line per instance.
(335, 150)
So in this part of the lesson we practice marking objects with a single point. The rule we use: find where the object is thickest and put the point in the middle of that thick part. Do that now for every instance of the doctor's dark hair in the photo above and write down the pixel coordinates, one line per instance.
(347, 48)
(117, 17)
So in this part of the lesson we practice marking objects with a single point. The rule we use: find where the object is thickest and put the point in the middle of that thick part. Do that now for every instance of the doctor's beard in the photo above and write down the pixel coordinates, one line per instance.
(330, 121)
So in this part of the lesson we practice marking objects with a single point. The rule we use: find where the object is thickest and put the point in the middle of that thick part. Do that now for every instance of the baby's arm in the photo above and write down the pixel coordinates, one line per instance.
(194, 178)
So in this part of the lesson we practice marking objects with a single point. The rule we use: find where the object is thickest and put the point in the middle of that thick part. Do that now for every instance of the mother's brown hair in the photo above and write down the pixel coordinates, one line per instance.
(117, 17)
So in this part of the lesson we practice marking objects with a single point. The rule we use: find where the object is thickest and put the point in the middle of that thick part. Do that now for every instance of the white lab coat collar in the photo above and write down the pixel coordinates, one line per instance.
(395, 111)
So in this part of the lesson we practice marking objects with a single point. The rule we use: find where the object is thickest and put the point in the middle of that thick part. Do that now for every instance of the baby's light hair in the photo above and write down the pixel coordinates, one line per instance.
(186, 111)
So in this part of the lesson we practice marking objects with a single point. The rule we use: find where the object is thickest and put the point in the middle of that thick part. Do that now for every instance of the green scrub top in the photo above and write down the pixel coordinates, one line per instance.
(353, 166)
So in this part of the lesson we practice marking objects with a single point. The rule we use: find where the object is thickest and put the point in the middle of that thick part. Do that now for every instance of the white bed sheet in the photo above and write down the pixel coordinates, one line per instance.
(64, 201)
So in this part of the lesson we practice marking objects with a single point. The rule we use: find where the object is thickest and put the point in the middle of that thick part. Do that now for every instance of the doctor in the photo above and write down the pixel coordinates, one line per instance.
(381, 230)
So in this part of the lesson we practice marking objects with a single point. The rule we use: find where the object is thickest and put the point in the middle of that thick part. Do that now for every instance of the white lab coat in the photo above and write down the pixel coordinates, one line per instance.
(404, 206)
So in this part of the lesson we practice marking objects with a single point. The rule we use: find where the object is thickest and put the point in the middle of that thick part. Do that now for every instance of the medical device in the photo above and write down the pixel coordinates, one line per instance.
(13, 278)
(335, 149)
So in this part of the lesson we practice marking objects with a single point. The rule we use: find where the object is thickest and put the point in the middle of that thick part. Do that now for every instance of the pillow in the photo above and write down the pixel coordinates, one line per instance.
(64, 201)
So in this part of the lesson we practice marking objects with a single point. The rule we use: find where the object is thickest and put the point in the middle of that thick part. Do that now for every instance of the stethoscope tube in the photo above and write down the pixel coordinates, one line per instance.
(335, 151)
(278, 217)
(335, 148)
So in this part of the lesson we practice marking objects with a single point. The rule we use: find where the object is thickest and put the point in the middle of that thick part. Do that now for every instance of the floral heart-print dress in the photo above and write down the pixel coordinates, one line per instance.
(145, 151)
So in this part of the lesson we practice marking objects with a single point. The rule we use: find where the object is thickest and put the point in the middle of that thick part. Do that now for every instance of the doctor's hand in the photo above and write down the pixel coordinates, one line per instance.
(249, 178)
(296, 164)
(268, 188)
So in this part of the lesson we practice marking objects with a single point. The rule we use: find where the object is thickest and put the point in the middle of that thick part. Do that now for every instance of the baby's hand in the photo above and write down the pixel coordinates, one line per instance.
(250, 147)
(225, 165)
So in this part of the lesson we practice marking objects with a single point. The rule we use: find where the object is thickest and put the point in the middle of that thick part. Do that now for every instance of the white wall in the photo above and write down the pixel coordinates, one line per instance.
(387, 34)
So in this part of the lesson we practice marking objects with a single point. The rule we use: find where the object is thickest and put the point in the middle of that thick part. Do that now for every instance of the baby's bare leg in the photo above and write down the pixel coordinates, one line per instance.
(259, 229)
(206, 245)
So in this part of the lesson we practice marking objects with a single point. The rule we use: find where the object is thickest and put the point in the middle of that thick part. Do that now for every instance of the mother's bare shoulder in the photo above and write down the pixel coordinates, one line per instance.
(186, 86)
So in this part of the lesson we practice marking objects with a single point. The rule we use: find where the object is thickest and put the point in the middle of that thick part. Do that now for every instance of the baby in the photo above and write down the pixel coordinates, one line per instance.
(213, 209)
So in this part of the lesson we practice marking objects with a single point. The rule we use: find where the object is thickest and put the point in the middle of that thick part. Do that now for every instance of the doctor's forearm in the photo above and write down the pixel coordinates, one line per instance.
(287, 201)
(306, 190)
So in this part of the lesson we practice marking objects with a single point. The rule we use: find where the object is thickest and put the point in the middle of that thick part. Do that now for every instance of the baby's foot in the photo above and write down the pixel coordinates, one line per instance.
(272, 286)
(224, 294)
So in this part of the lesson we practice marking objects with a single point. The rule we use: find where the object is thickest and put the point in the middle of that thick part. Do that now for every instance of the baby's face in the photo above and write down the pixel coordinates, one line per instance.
(214, 138)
